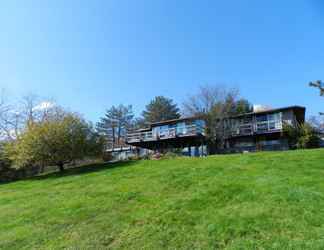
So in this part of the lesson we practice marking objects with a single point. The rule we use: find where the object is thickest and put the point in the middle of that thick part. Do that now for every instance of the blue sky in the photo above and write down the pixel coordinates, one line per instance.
(89, 55)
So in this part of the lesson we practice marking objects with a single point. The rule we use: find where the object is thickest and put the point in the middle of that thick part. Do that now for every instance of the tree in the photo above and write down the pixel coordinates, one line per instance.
(115, 123)
(302, 136)
(160, 109)
(243, 106)
(9, 119)
(58, 140)
(320, 85)
(139, 123)
(14, 118)
(215, 104)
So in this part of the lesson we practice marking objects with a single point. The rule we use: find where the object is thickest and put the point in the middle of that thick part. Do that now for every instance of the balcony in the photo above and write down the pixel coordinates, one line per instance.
(257, 128)
(183, 131)
(245, 129)
(268, 126)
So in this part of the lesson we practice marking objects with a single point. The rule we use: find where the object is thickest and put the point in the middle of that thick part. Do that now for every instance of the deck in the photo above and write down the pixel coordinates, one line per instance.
(177, 137)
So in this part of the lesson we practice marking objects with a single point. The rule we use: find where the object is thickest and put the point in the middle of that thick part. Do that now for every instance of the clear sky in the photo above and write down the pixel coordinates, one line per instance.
(89, 55)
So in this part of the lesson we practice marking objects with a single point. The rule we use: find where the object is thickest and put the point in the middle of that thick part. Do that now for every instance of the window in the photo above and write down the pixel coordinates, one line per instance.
(164, 130)
(181, 128)
(270, 143)
(272, 125)
(274, 117)
(200, 126)
(261, 118)
(263, 127)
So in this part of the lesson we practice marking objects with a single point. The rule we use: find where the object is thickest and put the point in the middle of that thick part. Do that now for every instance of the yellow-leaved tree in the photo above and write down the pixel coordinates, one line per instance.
(62, 138)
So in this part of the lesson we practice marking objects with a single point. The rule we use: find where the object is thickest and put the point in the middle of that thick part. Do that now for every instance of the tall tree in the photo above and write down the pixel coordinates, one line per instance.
(115, 123)
(56, 141)
(216, 103)
(14, 118)
(161, 109)
(243, 106)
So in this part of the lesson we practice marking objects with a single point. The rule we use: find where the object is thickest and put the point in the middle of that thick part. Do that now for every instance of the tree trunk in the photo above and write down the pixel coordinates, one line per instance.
(61, 166)
(42, 168)
(113, 136)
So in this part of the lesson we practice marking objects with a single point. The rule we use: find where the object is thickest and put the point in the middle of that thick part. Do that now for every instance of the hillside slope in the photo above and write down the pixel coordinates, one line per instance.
(261, 200)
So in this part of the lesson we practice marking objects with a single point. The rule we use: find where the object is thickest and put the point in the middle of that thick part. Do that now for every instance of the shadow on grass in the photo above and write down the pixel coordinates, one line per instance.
(91, 168)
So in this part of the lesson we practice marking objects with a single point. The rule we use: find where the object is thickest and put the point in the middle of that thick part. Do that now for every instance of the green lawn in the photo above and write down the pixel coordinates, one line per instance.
(251, 201)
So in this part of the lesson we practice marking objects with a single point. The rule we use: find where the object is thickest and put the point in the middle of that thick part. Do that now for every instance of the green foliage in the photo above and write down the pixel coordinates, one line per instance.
(115, 124)
(5, 162)
(160, 109)
(270, 200)
(55, 142)
(302, 136)
(242, 106)
(170, 155)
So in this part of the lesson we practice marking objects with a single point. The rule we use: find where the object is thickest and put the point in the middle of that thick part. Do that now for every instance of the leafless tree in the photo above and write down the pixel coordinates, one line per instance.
(320, 85)
(215, 104)
(205, 100)
(15, 117)
(9, 119)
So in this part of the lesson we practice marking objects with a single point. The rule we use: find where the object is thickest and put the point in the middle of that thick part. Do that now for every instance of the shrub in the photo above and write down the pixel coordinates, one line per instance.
(301, 137)
(170, 155)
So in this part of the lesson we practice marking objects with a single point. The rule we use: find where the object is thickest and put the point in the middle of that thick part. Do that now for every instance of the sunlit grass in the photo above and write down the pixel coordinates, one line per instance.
(261, 200)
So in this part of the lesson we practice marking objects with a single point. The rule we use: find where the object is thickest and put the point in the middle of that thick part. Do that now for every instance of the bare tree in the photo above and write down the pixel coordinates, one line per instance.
(215, 104)
(320, 85)
(14, 118)
(9, 119)
(205, 100)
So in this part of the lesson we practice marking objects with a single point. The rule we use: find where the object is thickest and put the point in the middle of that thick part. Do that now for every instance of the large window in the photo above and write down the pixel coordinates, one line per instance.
(274, 117)
(268, 122)
(181, 128)
(261, 118)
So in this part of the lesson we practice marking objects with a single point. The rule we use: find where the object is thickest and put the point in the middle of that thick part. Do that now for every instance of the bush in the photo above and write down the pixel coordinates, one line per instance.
(107, 156)
(5, 162)
(301, 137)
(147, 156)
(170, 155)
(134, 158)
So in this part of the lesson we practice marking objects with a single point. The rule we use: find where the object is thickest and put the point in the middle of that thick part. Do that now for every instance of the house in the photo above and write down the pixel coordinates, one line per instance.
(177, 133)
(258, 130)
(263, 130)
(125, 152)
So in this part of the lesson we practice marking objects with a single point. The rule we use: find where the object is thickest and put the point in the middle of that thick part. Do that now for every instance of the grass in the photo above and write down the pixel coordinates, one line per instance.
(250, 201)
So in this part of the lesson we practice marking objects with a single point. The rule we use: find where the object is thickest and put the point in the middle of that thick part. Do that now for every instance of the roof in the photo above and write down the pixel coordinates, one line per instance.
(300, 108)
(295, 107)
(175, 121)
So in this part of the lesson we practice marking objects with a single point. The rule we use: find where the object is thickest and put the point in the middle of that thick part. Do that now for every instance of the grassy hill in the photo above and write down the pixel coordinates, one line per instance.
(261, 200)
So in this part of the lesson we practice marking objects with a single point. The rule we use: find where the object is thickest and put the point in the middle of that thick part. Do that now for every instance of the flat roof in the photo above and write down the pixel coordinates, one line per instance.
(175, 120)
(295, 107)
(301, 108)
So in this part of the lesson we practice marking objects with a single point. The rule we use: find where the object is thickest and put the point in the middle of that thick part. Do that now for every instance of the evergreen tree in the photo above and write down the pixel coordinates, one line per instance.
(161, 109)
(115, 123)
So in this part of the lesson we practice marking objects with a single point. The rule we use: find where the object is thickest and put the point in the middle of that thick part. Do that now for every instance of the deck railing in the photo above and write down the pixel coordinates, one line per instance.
(192, 130)
(257, 127)
(188, 130)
